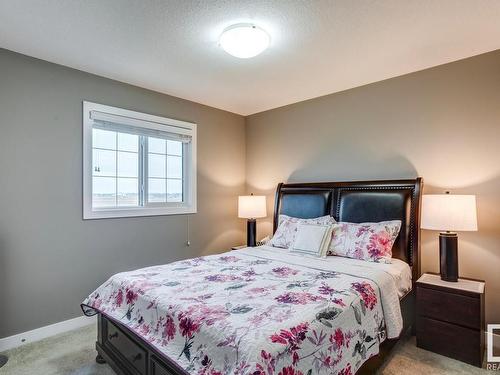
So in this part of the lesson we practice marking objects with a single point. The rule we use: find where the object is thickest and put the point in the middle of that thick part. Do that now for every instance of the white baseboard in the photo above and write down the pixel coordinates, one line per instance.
(44, 332)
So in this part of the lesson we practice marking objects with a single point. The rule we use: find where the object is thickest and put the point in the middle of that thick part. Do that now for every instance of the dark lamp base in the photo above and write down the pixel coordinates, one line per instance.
(3, 360)
(251, 232)
(448, 256)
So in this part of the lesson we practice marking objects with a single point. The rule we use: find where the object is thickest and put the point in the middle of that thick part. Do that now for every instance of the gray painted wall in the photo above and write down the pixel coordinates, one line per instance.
(50, 259)
(441, 123)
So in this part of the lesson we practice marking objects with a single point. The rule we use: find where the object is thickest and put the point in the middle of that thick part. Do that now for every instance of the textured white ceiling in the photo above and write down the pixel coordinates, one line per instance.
(318, 47)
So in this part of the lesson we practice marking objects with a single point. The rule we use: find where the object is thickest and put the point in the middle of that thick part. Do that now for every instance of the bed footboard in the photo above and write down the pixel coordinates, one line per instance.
(128, 354)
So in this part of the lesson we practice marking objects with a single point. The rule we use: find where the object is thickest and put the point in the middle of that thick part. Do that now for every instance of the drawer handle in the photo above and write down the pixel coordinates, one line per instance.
(137, 357)
(113, 335)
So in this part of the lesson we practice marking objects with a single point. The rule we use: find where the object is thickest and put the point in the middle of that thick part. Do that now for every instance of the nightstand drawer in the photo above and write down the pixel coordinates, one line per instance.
(450, 340)
(449, 307)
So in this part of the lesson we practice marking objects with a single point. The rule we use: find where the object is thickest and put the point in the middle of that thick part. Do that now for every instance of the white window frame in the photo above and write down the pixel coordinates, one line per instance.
(188, 206)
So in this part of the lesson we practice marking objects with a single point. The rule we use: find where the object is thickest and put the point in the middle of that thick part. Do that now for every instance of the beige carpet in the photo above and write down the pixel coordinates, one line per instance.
(73, 353)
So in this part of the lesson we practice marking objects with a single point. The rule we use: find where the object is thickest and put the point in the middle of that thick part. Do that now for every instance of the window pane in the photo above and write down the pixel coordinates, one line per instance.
(103, 163)
(128, 142)
(128, 192)
(174, 190)
(103, 192)
(174, 148)
(128, 164)
(174, 166)
(156, 165)
(157, 190)
(157, 145)
(104, 139)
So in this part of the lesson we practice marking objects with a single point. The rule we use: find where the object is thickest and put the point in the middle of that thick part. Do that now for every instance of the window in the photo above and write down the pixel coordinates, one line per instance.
(136, 164)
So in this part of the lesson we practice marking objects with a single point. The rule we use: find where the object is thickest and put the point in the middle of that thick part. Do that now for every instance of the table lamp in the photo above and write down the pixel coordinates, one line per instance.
(449, 213)
(251, 207)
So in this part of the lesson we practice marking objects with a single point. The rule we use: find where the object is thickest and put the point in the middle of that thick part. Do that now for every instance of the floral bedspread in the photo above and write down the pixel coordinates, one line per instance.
(253, 311)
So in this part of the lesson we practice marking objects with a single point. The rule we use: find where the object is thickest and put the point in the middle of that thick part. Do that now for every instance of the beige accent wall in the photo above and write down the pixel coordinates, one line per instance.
(442, 124)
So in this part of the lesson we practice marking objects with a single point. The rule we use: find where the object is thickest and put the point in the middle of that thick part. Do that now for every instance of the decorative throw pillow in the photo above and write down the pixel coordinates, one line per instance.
(367, 241)
(312, 239)
(287, 229)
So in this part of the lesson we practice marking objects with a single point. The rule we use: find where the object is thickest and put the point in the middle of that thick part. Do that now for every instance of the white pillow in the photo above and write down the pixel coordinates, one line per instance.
(287, 229)
(312, 239)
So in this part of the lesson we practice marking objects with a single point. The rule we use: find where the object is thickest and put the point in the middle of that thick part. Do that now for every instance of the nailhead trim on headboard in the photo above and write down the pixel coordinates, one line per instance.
(335, 189)
(412, 207)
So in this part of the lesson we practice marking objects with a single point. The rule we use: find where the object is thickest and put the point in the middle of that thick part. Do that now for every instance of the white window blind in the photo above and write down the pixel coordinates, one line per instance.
(130, 125)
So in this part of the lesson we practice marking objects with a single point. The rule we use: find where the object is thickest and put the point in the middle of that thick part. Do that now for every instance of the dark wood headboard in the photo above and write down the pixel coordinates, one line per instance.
(358, 202)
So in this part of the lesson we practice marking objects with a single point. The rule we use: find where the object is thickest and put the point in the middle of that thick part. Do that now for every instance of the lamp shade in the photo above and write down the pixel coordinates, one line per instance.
(252, 206)
(449, 212)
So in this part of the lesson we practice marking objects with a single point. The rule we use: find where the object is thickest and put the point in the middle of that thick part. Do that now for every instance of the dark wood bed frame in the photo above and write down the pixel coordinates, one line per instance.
(360, 201)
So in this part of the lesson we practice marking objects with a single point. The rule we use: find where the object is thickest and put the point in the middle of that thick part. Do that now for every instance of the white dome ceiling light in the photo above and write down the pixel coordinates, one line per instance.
(244, 40)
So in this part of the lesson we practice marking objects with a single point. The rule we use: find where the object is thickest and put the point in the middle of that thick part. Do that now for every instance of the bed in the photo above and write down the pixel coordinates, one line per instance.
(266, 311)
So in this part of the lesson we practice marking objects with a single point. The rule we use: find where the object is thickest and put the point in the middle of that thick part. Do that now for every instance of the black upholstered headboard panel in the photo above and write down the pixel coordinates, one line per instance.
(358, 202)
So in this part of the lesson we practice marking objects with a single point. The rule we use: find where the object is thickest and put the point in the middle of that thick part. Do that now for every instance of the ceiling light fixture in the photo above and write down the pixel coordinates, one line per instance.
(244, 40)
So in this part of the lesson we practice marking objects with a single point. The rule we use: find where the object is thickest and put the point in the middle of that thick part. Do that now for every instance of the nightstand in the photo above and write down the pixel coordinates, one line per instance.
(450, 318)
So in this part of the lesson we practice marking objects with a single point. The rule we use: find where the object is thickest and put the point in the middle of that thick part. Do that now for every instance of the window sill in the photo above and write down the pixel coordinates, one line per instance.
(137, 212)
